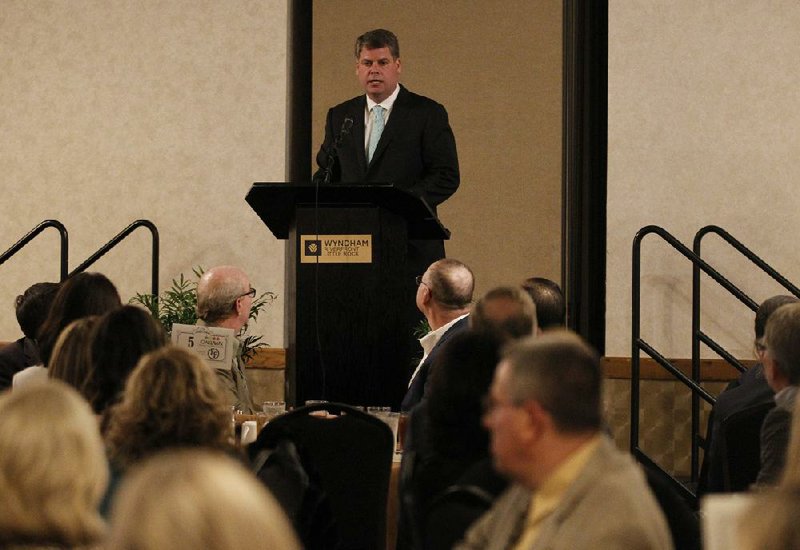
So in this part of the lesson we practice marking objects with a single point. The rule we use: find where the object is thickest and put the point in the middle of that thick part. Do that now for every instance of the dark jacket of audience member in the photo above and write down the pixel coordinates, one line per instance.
(445, 438)
(120, 339)
(750, 389)
(79, 296)
(31, 308)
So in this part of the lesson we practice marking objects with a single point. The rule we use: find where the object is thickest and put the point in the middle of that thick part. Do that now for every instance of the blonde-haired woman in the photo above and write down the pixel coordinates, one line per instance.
(197, 499)
(71, 361)
(53, 469)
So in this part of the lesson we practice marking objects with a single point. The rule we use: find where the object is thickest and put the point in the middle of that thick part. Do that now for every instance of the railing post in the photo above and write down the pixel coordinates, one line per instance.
(32, 234)
(695, 462)
(635, 335)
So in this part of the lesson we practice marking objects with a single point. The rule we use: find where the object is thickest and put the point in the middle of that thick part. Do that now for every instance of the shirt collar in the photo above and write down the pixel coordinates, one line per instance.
(429, 341)
(386, 103)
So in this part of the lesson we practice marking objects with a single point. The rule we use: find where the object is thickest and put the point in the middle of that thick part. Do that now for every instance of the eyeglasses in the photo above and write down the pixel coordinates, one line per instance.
(420, 281)
(251, 293)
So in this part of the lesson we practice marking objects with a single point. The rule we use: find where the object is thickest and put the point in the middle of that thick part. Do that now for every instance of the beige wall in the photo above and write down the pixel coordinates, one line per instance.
(496, 67)
(703, 129)
(114, 110)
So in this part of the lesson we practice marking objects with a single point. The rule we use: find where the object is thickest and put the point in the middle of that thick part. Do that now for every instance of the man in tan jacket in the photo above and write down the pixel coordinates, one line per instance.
(572, 488)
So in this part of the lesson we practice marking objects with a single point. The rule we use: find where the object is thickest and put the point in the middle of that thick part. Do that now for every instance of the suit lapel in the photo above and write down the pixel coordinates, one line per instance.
(357, 113)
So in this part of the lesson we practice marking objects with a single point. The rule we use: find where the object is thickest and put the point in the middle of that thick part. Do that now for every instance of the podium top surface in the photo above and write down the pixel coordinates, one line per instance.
(275, 204)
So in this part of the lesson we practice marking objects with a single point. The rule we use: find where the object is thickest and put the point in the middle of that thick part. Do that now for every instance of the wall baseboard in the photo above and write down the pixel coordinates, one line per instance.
(712, 370)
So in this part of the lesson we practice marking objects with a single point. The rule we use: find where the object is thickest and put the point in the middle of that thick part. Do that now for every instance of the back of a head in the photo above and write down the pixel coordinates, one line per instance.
(766, 309)
(217, 292)
(196, 499)
(79, 296)
(782, 339)
(33, 305)
(770, 522)
(53, 469)
(460, 378)
(549, 301)
(507, 311)
(451, 283)
(562, 373)
(71, 360)
(120, 339)
(171, 399)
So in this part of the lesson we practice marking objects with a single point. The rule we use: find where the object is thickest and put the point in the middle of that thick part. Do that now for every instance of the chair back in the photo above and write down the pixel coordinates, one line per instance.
(351, 452)
(741, 446)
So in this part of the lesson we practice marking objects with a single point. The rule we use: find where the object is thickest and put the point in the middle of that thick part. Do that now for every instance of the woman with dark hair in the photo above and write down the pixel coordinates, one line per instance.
(120, 339)
(79, 296)
(446, 444)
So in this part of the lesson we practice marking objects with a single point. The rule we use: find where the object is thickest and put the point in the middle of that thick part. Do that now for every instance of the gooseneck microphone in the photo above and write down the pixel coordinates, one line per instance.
(344, 131)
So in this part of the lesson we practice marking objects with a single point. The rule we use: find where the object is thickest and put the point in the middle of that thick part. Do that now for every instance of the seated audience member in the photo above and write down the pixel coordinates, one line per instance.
(444, 295)
(71, 360)
(171, 400)
(31, 308)
(224, 299)
(551, 309)
(782, 371)
(446, 445)
(507, 311)
(53, 469)
(79, 296)
(119, 341)
(572, 488)
(770, 522)
(750, 389)
(197, 499)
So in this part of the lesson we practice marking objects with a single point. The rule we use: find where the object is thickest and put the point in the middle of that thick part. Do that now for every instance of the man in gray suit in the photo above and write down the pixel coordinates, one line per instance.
(572, 488)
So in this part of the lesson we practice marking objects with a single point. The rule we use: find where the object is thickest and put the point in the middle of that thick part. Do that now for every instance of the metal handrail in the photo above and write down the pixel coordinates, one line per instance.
(103, 250)
(639, 345)
(32, 234)
(699, 336)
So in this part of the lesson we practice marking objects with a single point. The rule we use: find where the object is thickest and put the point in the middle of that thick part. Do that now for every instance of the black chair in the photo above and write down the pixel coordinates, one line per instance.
(350, 456)
(740, 446)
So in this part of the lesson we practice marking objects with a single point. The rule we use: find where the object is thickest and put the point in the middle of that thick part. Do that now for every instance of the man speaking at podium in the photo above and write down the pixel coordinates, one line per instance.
(391, 135)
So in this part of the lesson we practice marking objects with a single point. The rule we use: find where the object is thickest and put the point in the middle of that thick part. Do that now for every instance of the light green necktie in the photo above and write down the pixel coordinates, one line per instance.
(377, 130)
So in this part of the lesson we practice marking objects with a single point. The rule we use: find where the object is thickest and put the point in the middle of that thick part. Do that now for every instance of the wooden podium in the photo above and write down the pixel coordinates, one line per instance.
(350, 306)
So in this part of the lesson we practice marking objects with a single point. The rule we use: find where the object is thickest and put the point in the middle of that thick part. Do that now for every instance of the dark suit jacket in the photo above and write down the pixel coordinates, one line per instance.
(416, 390)
(15, 357)
(416, 152)
(749, 390)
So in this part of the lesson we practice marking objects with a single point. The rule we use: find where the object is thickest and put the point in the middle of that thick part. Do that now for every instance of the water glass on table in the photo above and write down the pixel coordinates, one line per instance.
(273, 408)
(392, 419)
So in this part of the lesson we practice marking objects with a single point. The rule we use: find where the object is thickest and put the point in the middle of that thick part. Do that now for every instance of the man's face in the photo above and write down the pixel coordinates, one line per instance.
(507, 424)
(378, 72)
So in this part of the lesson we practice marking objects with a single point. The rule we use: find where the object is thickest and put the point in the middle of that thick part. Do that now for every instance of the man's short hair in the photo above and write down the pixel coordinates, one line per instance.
(33, 305)
(451, 283)
(218, 302)
(767, 308)
(378, 38)
(562, 373)
(549, 300)
(517, 321)
(782, 338)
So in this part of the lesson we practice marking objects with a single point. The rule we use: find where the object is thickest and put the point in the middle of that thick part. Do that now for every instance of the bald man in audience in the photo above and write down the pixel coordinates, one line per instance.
(507, 311)
(224, 298)
(572, 488)
(444, 296)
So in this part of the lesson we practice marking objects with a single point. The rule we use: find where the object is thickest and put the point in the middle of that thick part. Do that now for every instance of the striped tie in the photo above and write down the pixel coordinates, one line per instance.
(377, 130)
